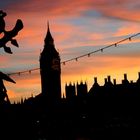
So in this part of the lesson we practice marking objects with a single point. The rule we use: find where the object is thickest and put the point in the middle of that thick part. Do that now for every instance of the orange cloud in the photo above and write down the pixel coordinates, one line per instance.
(11, 94)
(125, 30)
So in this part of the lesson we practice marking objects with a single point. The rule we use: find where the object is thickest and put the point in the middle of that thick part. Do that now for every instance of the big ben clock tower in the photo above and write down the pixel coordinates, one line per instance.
(50, 69)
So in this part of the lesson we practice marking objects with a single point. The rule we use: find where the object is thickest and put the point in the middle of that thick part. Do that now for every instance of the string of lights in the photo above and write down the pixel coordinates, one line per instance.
(84, 55)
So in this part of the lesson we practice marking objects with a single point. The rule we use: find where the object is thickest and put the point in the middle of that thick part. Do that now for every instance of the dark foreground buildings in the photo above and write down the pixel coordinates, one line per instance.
(108, 112)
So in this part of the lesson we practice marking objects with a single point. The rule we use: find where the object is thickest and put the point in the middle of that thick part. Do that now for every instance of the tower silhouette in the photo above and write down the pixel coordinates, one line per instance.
(50, 69)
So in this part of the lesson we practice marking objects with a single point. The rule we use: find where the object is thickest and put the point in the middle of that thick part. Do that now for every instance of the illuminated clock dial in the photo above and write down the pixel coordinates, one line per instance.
(55, 64)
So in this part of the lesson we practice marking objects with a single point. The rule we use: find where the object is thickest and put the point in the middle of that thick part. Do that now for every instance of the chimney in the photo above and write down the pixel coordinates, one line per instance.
(114, 81)
(95, 79)
(125, 81)
(139, 75)
(125, 76)
(138, 81)
(105, 80)
(109, 78)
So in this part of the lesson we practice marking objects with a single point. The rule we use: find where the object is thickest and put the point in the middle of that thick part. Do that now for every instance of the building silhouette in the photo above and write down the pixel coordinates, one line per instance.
(76, 90)
(82, 89)
(50, 69)
(70, 90)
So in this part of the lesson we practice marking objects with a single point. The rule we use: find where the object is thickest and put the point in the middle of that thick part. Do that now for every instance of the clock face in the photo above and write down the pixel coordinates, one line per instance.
(55, 64)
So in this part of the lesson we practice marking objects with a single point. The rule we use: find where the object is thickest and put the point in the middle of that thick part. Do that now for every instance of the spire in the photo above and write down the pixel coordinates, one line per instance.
(48, 39)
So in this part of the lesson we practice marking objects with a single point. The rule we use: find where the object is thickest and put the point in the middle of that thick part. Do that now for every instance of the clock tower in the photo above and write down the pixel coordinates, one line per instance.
(50, 69)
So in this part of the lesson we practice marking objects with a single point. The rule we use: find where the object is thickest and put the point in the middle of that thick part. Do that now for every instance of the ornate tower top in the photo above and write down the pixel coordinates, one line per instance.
(49, 39)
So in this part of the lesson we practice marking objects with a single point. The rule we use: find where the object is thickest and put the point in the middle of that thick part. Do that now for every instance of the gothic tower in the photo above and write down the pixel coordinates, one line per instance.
(50, 69)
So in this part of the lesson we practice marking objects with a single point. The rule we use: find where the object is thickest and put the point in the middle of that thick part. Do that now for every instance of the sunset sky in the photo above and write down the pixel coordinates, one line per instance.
(78, 27)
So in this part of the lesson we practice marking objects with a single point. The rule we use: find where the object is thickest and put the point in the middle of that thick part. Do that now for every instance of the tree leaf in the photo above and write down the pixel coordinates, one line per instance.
(7, 49)
(14, 42)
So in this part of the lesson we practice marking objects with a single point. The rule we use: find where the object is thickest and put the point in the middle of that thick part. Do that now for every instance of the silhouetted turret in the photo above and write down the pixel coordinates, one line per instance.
(125, 81)
(82, 89)
(94, 91)
(138, 81)
(70, 91)
(95, 85)
(108, 82)
(108, 87)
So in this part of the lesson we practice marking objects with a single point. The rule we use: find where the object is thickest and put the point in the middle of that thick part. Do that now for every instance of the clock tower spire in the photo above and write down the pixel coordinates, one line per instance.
(50, 69)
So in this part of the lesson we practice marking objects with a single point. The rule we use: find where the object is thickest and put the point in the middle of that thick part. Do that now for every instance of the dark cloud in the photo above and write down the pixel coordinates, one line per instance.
(4, 4)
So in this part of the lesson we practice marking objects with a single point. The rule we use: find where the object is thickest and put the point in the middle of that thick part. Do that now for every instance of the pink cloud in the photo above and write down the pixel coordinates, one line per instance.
(3, 59)
(109, 8)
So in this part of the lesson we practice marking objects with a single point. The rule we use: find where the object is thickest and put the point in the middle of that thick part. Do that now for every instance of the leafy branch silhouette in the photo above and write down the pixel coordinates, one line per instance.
(9, 35)
(6, 37)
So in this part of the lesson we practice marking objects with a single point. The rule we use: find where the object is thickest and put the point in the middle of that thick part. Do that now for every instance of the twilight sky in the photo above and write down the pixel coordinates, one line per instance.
(78, 27)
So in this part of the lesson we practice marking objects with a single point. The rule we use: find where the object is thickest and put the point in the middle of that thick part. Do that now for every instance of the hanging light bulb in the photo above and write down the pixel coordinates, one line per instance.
(29, 71)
